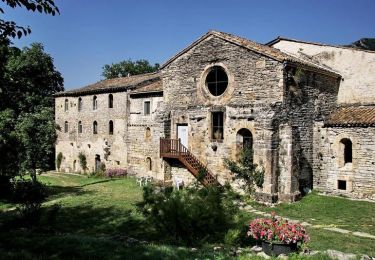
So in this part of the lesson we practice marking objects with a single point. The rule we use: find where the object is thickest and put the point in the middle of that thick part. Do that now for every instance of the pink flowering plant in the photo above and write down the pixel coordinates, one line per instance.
(115, 172)
(277, 230)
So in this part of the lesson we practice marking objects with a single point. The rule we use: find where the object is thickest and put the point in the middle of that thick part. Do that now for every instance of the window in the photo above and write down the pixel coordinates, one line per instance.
(66, 127)
(148, 164)
(80, 127)
(341, 185)
(80, 104)
(147, 108)
(217, 81)
(94, 103)
(148, 133)
(66, 105)
(218, 125)
(110, 127)
(110, 101)
(95, 128)
(347, 151)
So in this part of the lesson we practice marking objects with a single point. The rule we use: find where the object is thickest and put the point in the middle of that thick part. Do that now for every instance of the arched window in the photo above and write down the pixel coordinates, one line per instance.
(66, 127)
(80, 127)
(148, 164)
(347, 150)
(94, 103)
(244, 141)
(110, 130)
(66, 105)
(110, 101)
(80, 104)
(148, 133)
(95, 128)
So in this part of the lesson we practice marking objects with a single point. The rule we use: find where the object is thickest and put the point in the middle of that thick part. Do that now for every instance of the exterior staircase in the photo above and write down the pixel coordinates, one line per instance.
(172, 148)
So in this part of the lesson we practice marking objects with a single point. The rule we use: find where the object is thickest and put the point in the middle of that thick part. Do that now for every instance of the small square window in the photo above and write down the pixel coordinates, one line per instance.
(147, 108)
(341, 185)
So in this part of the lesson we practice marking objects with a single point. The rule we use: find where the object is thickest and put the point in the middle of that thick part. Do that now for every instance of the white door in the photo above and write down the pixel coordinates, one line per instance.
(182, 133)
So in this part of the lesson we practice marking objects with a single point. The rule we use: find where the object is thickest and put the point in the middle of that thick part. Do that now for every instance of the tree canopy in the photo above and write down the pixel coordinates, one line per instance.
(28, 79)
(11, 29)
(128, 68)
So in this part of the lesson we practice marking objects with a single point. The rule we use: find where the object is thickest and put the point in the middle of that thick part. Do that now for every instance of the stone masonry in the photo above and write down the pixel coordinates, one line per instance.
(276, 102)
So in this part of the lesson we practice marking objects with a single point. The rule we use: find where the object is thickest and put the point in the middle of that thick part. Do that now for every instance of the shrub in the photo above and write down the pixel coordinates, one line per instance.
(117, 172)
(245, 169)
(82, 161)
(59, 160)
(191, 215)
(29, 195)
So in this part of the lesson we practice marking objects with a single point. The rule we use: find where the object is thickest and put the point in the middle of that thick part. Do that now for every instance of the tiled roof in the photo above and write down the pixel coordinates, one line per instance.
(265, 50)
(352, 116)
(116, 84)
(156, 86)
(280, 38)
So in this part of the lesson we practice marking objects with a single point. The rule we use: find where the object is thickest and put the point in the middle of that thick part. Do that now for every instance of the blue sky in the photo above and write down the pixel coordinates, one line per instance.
(90, 33)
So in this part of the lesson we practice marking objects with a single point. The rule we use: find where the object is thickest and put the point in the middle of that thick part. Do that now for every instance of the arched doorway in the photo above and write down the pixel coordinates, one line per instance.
(244, 142)
(97, 162)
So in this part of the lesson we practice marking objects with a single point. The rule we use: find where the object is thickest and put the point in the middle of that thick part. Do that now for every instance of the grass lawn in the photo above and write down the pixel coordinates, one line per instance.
(97, 213)
(323, 210)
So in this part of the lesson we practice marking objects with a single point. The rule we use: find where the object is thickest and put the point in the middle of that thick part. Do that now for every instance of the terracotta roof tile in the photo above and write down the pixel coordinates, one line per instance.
(156, 86)
(116, 84)
(352, 116)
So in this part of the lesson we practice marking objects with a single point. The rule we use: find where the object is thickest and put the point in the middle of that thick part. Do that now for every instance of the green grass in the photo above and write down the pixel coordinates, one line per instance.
(329, 211)
(96, 213)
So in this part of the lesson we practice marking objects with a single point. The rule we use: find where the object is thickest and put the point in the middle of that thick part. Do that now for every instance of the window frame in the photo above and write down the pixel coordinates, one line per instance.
(110, 101)
(95, 128)
(145, 112)
(80, 104)
(66, 105)
(94, 103)
(111, 127)
(80, 127)
(66, 127)
(215, 126)
(215, 69)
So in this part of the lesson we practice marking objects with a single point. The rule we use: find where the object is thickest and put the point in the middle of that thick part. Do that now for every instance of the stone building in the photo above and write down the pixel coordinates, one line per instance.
(204, 104)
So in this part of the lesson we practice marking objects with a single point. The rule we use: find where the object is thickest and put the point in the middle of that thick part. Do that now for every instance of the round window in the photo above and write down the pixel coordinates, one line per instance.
(217, 81)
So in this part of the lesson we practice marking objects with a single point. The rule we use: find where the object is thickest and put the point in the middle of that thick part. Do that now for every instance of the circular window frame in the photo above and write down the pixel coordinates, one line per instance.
(203, 86)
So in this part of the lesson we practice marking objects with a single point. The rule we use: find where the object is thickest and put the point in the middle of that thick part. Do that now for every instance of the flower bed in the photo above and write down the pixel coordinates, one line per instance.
(117, 172)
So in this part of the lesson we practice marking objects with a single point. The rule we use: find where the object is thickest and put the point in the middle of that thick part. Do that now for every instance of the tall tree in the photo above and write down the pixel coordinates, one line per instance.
(27, 129)
(128, 68)
(11, 29)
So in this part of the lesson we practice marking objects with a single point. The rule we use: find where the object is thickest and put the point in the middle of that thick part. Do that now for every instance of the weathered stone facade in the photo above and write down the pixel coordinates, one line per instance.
(271, 100)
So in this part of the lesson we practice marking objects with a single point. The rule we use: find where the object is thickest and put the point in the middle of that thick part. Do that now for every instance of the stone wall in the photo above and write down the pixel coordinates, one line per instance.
(312, 98)
(110, 148)
(355, 66)
(143, 136)
(255, 87)
(330, 167)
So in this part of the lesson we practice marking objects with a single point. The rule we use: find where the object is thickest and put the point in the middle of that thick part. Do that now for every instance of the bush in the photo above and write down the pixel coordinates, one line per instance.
(29, 195)
(82, 161)
(59, 160)
(115, 173)
(190, 216)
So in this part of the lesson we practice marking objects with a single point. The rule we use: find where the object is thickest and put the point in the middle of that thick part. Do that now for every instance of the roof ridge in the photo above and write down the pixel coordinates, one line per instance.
(314, 43)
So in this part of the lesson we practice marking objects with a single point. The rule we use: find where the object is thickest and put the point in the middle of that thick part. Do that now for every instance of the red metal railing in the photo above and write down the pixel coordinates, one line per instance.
(172, 148)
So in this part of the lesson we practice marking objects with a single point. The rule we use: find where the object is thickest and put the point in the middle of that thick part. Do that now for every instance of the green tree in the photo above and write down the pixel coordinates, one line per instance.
(11, 29)
(27, 129)
(128, 68)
